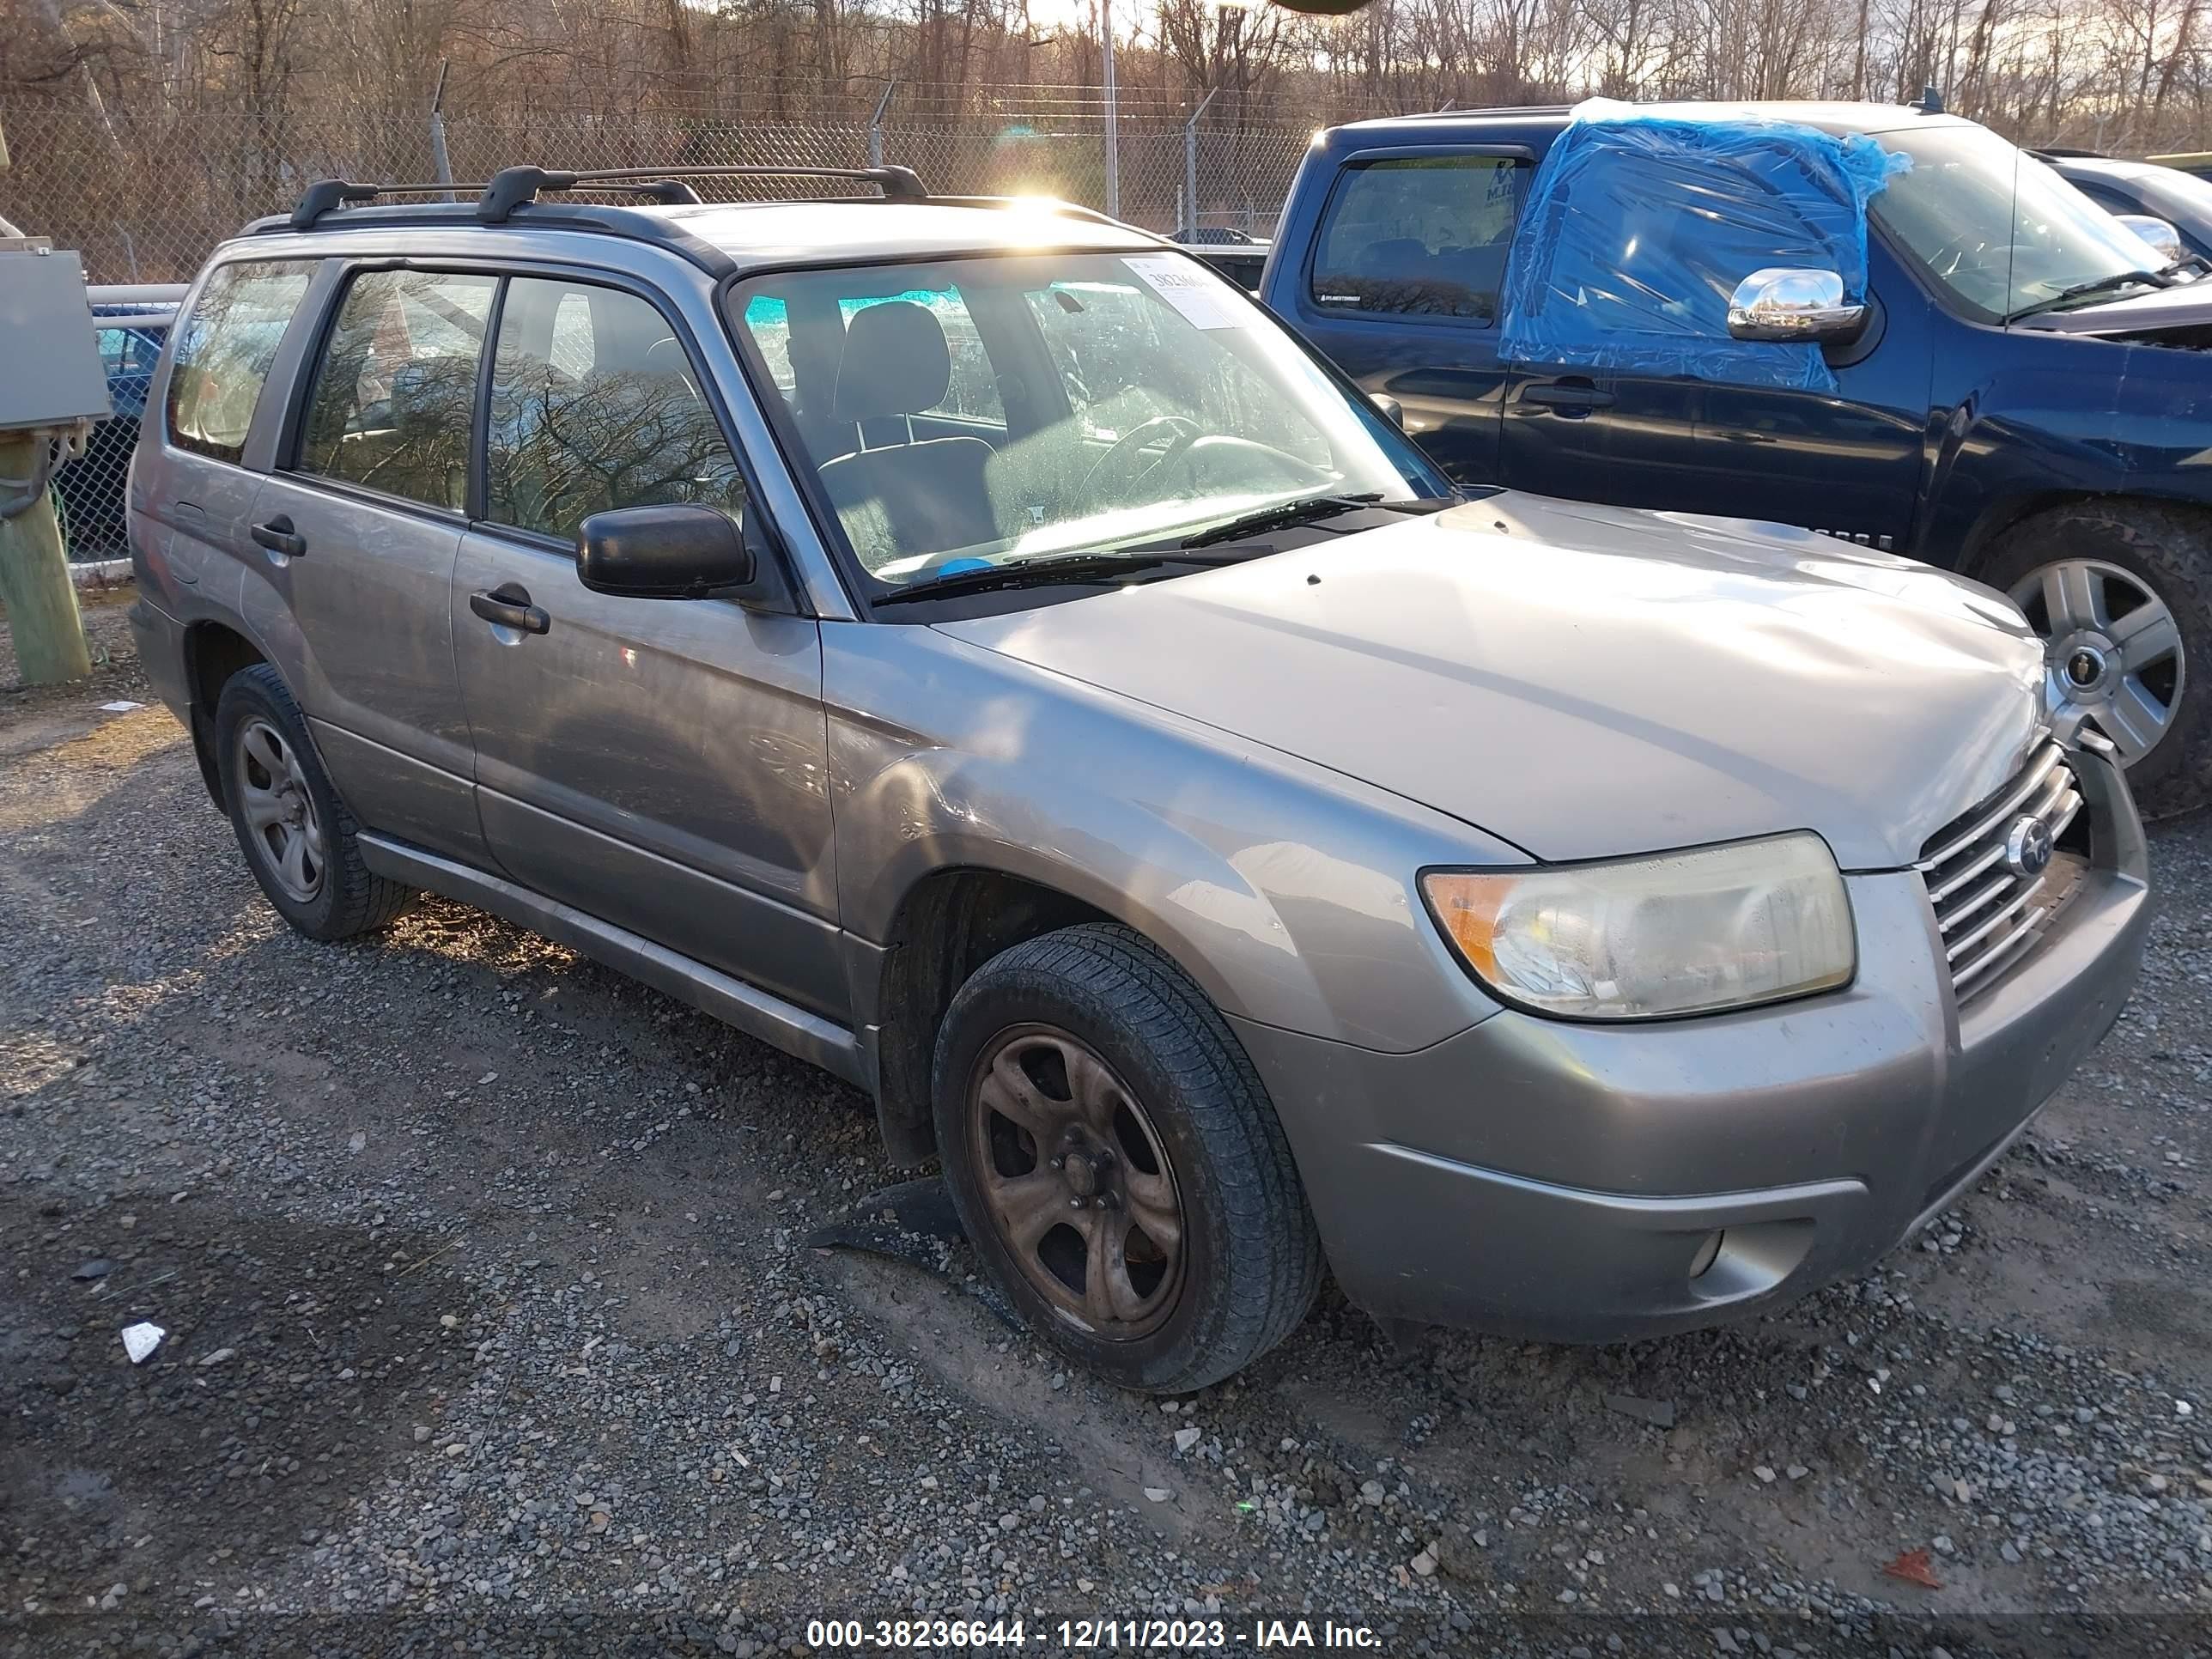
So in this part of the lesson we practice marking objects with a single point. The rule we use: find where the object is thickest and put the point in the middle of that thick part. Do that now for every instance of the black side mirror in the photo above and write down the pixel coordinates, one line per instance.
(678, 552)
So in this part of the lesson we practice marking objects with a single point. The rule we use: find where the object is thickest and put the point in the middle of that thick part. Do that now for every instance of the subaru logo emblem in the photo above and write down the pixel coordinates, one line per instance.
(2027, 846)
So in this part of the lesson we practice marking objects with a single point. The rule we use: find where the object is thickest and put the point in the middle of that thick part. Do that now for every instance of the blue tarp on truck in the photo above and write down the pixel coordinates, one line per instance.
(1639, 226)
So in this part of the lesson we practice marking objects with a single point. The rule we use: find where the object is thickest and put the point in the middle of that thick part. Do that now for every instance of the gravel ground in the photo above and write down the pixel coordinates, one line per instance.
(489, 1327)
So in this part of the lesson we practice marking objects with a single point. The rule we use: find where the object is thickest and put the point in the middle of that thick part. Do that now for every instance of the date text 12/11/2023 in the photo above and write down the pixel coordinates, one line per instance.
(1090, 1635)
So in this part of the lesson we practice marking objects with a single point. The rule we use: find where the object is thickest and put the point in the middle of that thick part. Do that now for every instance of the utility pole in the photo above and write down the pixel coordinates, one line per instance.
(439, 159)
(1113, 114)
(1190, 163)
(876, 123)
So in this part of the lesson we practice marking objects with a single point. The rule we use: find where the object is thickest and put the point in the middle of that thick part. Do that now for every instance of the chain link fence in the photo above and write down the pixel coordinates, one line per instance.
(144, 197)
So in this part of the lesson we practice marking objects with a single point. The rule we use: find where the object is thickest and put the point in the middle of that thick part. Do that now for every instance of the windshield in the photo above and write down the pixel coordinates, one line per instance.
(971, 412)
(2175, 195)
(1955, 214)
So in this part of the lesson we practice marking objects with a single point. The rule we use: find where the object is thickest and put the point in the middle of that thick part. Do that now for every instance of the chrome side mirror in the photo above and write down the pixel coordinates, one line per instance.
(1805, 306)
(2165, 240)
(1389, 408)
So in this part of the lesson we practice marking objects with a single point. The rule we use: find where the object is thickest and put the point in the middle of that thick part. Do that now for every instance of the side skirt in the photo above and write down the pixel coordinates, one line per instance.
(750, 1009)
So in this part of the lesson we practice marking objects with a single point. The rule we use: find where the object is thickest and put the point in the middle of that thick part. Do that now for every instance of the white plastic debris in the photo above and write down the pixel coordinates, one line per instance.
(121, 706)
(139, 1340)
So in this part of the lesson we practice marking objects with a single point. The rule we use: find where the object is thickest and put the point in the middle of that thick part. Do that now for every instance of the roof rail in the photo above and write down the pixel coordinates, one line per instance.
(511, 188)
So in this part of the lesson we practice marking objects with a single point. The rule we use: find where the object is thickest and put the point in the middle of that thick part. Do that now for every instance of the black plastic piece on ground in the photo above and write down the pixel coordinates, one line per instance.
(912, 1222)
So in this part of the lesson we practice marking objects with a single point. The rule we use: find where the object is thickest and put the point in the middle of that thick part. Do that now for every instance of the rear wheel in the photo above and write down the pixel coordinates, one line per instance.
(297, 833)
(2121, 593)
(1118, 1163)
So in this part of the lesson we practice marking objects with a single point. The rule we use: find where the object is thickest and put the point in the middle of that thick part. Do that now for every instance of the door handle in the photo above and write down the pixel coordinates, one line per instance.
(278, 537)
(509, 605)
(1573, 399)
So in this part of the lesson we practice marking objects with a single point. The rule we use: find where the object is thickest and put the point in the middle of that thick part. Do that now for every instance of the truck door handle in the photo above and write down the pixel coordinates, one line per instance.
(1572, 398)
(509, 605)
(278, 537)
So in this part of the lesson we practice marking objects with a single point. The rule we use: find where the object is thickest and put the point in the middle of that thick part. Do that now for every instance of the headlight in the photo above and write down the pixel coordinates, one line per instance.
(1675, 934)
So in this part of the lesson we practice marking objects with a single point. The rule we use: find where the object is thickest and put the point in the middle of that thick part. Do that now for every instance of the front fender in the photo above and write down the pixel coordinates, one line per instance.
(1287, 891)
(2043, 419)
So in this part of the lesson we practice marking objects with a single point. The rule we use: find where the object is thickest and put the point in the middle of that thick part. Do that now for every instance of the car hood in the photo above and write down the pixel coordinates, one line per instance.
(2176, 316)
(1586, 681)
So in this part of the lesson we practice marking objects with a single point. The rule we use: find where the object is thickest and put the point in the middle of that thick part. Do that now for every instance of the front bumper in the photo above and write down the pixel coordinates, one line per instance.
(1540, 1178)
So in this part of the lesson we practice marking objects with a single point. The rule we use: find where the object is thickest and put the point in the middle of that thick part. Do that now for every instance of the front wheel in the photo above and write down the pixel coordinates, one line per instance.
(2121, 593)
(1118, 1163)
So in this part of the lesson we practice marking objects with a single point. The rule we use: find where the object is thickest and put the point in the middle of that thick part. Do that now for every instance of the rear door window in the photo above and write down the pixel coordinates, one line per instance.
(224, 349)
(1423, 235)
(395, 393)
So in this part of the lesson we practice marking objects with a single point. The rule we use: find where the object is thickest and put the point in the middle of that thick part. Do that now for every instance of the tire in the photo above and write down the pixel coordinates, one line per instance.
(2121, 549)
(1187, 1127)
(267, 764)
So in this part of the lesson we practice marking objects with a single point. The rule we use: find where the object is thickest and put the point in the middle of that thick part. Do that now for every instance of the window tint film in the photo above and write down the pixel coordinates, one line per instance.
(594, 405)
(396, 390)
(223, 352)
(1423, 234)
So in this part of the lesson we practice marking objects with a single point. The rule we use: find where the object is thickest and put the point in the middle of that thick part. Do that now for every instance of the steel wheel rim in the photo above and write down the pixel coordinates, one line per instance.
(2112, 651)
(281, 823)
(1076, 1181)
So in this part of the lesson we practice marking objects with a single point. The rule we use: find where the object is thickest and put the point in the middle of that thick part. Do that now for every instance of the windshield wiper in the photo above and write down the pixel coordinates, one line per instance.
(1043, 573)
(1312, 510)
(2082, 290)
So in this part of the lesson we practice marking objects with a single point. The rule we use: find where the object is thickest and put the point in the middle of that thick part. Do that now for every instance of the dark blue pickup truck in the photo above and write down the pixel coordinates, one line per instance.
(1886, 325)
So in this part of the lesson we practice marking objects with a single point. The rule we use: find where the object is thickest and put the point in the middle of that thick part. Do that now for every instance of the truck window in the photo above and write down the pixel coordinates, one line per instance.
(1421, 235)
(224, 349)
(594, 405)
(396, 392)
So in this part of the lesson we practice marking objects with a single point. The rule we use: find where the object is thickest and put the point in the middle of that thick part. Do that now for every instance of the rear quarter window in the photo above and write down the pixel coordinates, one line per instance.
(223, 351)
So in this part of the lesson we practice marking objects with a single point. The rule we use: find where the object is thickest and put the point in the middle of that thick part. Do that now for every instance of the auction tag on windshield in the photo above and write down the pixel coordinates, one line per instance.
(1201, 301)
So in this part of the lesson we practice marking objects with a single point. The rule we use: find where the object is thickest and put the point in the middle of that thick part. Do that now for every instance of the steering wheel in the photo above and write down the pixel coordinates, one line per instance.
(1247, 462)
(1955, 258)
(1186, 432)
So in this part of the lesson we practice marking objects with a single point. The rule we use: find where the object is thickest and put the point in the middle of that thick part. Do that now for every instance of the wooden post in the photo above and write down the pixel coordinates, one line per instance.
(34, 581)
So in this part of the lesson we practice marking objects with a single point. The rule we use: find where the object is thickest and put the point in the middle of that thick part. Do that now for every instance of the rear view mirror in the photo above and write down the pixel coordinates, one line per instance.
(1389, 408)
(1804, 306)
(678, 552)
(2165, 240)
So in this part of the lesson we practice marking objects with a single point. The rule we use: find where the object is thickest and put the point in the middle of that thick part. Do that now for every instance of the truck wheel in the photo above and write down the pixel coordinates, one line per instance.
(1118, 1163)
(2121, 592)
(297, 833)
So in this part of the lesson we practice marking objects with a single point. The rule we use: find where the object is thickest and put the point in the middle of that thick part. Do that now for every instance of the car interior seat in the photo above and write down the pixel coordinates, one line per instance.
(916, 495)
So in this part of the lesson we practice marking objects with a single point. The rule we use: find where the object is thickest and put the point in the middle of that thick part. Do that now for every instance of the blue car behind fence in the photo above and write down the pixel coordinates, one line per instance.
(132, 323)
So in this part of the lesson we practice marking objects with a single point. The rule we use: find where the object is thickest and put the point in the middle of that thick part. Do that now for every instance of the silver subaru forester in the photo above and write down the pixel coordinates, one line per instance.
(973, 647)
